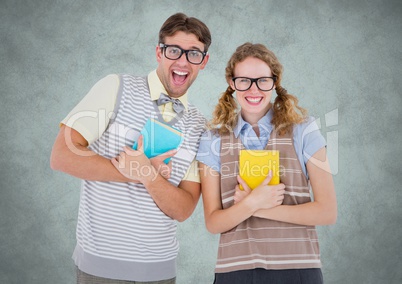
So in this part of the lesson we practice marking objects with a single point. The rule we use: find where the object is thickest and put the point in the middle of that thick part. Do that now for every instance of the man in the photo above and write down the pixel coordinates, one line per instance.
(129, 204)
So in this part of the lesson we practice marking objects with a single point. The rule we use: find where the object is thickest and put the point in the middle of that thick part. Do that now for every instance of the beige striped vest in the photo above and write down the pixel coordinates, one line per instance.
(121, 232)
(259, 242)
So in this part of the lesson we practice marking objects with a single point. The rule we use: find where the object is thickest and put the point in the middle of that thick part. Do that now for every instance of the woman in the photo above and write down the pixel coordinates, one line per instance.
(267, 234)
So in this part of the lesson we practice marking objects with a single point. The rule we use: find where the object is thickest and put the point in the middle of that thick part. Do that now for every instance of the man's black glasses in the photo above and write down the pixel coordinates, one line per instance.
(173, 52)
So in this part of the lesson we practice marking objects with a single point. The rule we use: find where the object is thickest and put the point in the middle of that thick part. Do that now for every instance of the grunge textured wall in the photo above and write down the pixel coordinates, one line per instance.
(342, 60)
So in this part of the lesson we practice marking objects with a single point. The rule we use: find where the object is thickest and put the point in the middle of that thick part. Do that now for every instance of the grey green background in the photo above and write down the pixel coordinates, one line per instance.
(342, 59)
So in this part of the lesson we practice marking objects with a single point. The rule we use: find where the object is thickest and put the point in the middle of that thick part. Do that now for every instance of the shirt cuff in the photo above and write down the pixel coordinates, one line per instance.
(192, 173)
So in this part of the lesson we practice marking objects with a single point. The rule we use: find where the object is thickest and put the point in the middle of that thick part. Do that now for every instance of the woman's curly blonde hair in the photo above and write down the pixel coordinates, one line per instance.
(286, 111)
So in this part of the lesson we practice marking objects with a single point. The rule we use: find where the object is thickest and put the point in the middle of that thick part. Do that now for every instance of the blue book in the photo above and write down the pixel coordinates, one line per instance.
(159, 138)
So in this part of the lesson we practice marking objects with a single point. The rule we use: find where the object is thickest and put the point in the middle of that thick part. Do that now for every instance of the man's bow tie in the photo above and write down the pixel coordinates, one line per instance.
(177, 104)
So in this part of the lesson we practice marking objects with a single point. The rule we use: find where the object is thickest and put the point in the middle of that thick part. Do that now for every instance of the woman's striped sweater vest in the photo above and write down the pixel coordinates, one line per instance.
(259, 242)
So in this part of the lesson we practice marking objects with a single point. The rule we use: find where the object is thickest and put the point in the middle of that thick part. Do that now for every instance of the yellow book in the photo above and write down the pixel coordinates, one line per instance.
(254, 166)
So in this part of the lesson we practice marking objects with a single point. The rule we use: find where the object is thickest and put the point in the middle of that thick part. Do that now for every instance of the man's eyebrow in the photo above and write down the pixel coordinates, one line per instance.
(196, 48)
(191, 48)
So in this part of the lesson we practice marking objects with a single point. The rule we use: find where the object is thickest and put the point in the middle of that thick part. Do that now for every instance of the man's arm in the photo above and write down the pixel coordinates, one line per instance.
(71, 155)
(176, 202)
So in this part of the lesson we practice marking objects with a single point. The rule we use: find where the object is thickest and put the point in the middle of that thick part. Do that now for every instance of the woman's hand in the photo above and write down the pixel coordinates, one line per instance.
(240, 194)
(263, 196)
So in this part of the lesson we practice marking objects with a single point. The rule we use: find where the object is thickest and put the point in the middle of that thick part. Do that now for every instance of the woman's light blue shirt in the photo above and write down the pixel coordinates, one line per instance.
(307, 140)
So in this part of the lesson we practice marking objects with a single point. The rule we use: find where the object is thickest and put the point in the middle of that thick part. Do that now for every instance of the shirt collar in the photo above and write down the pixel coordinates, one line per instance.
(156, 88)
(264, 122)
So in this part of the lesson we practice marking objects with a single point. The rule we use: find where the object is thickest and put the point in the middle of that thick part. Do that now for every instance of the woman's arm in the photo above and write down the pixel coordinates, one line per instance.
(321, 211)
(220, 220)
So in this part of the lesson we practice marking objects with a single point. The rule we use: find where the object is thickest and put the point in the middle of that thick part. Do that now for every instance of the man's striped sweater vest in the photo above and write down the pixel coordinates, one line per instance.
(121, 232)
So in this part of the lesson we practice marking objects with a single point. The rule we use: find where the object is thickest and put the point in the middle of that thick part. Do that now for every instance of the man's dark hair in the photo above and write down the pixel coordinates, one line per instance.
(180, 22)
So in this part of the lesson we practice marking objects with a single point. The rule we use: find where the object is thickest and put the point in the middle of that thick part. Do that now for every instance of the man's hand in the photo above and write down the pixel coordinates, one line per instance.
(158, 163)
(134, 165)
